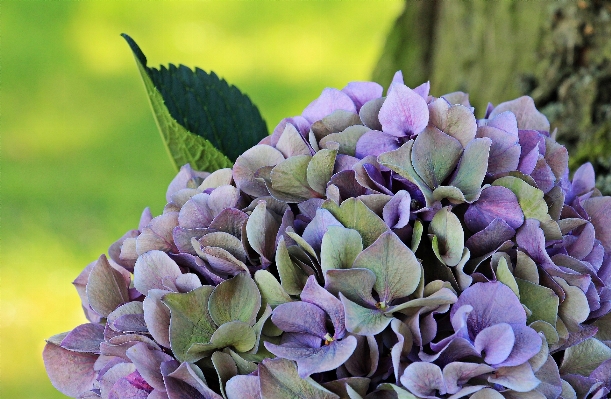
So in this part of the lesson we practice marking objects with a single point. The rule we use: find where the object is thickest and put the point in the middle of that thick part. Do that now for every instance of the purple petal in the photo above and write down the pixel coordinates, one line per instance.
(158, 234)
(375, 143)
(157, 316)
(299, 122)
(84, 338)
(526, 113)
(404, 113)
(506, 121)
(317, 228)
(396, 79)
(397, 211)
(456, 374)
(249, 162)
(182, 179)
(129, 388)
(292, 143)
(361, 92)
(424, 380)
(316, 360)
(310, 318)
(315, 294)
(543, 175)
(495, 342)
(423, 90)
(599, 212)
(584, 181)
(107, 287)
(495, 202)
(152, 269)
(504, 152)
(520, 378)
(530, 238)
(492, 303)
(148, 363)
(583, 243)
(527, 344)
(186, 382)
(489, 239)
(243, 387)
(329, 100)
(70, 372)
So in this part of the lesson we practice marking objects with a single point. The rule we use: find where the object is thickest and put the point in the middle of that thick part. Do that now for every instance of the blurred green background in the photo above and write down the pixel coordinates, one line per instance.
(81, 155)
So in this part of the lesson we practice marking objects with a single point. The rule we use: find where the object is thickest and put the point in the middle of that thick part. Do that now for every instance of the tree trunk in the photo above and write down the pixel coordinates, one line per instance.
(557, 52)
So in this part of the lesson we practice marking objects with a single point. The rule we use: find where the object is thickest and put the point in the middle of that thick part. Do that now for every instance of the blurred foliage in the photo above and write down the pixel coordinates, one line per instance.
(81, 155)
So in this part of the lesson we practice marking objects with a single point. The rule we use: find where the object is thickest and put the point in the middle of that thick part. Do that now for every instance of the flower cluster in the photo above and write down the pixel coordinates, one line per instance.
(372, 247)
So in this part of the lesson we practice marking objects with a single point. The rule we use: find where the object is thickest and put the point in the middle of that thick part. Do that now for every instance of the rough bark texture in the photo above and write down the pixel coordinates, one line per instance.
(557, 52)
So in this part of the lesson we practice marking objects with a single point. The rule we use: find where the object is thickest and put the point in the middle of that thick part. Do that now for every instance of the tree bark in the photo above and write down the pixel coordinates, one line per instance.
(557, 52)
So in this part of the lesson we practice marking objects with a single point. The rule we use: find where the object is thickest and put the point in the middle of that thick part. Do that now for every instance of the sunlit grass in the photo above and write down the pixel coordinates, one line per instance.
(81, 155)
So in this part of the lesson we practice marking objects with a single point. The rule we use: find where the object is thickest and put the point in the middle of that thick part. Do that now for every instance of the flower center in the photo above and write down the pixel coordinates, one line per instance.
(328, 339)
(381, 305)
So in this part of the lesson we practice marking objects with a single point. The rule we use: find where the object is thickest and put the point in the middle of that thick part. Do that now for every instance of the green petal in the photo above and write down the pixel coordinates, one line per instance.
(393, 279)
(235, 299)
(190, 322)
(450, 237)
(353, 214)
(340, 246)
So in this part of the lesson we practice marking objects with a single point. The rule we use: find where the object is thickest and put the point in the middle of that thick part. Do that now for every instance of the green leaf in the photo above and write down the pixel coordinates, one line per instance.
(204, 106)
(584, 357)
(279, 380)
(354, 214)
(190, 323)
(236, 299)
(340, 247)
(542, 302)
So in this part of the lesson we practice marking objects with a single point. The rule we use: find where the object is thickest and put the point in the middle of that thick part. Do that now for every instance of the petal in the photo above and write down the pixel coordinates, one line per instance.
(456, 374)
(329, 100)
(492, 303)
(404, 112)
(316, 360)
(495, 342)
(70, 372)
(526, 113)
(494, 202)
(152, 269)
(315, 294)
(435, 155)
(300, 317)
(519, 378)
(424, 380)
(249, 162)
(361, 92)
(375, 142)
